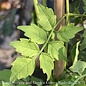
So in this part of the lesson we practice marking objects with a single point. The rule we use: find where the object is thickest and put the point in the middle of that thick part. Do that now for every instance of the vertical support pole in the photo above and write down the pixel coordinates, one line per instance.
(59, 9)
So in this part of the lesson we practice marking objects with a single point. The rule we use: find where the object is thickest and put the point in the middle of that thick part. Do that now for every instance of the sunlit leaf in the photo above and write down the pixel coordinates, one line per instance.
(56, 84)
(78, 67)
(34, 32)
(47, 19)
(46, 64)
(21, 68)
(68, 32)
(26, 47)
(57, 50)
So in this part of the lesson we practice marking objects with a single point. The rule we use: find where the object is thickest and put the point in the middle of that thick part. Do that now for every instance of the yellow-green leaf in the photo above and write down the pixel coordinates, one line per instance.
(46, 63)
(21, 68)
(78, 67)
(68, 32)
(26, 47)
(57, 50)
(35, 33)
(47, 19)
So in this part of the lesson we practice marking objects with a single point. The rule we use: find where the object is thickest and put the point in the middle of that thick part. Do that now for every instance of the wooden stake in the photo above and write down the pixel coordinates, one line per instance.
(59, 9)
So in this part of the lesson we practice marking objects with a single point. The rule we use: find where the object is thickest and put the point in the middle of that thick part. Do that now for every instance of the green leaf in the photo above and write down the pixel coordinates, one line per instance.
(21, 68)
(7, 84)
(68, 32)
(0, 84)
(7, 27)
(23, 84)
(84, 7)
(84, 34)
(26, 47)
(46, 63)
(84, 2)
(78, 67)
(47, 19)
(5, 75)
(36, 81)
(83, 44)
(80, 83)
(34, 32)
(82, 55)
(57, 50)
(73, 53)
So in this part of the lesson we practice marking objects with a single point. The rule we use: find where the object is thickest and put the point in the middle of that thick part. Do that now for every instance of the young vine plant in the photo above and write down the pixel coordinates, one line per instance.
(52, 49)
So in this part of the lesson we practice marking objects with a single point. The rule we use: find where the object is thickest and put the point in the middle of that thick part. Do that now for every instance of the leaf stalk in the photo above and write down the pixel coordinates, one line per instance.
(36, 8)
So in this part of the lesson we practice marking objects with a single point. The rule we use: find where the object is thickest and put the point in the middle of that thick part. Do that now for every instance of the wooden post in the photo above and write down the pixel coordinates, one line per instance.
(59, 9)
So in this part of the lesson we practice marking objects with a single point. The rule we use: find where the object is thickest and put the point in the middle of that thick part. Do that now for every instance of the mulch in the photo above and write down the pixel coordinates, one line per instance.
(7, 56)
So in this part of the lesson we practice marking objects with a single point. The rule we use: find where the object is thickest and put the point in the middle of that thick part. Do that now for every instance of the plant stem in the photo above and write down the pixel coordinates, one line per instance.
(36, 8)
(67, 17)
(45, 3)
(78, 79)
(67, 12)
(78, 15)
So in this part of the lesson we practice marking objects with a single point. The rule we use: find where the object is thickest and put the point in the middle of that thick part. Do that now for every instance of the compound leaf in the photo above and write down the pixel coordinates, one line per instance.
(34, 32)
(26, 47)
(21, 68)
(57, 50)
(47, 19)
(46, 63)
(68, 32)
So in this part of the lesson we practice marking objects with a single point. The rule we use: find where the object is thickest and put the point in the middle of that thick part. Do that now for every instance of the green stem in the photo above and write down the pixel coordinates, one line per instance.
(45, 3)
(78, 79)
(67, 12)
(67, 17)
(78, 15)
(36, 8)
